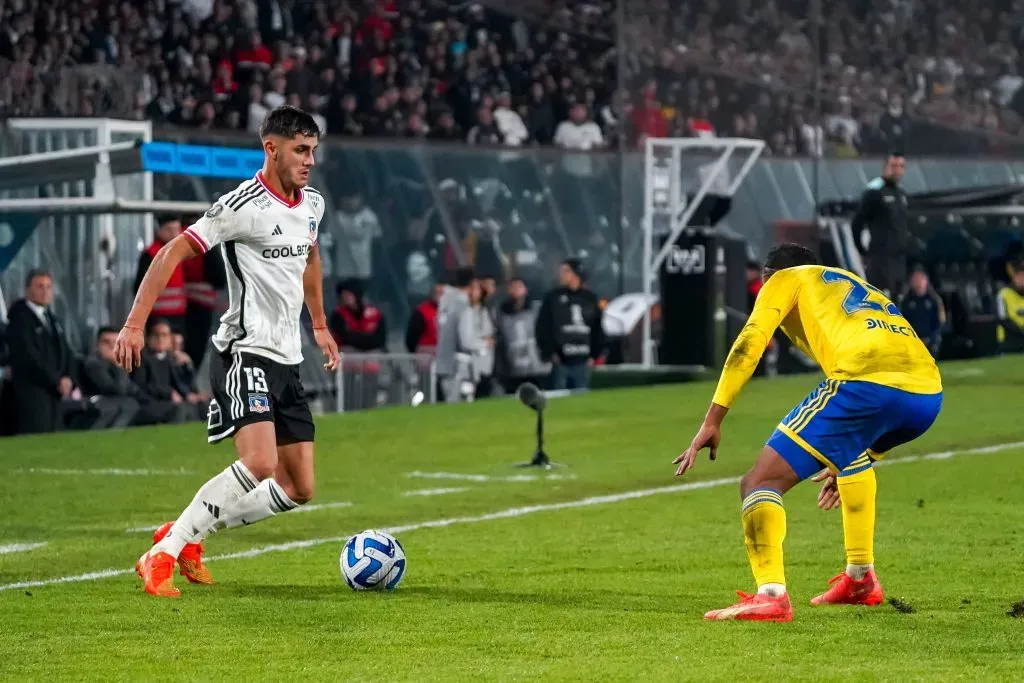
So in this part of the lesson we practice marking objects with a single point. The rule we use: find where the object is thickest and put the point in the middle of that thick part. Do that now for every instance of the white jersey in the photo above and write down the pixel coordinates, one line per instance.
(265, 241)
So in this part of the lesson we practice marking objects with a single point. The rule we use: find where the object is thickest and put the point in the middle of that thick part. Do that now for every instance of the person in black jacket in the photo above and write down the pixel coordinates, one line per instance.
(43, 366)
(880, 227)
(119, 401)
(569, 332)
(922, 307)
(158, 376)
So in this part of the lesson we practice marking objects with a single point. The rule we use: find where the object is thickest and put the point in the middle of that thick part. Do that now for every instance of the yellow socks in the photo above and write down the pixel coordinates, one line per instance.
(858, 492)
(764, 529)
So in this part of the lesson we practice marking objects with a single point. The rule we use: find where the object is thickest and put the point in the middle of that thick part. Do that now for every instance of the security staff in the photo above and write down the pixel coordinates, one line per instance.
(569, 332)
(880, 227)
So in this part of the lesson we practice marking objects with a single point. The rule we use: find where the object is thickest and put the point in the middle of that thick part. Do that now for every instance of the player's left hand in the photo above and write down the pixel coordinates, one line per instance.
(828, 497)
(329, 348)
(708, 436)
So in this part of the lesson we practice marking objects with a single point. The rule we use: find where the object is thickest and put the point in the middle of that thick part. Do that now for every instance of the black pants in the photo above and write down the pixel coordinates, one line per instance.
(198, 322)
(103, 412)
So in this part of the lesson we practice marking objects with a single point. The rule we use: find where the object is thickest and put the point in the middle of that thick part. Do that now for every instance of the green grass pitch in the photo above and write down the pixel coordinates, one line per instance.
(570, 581)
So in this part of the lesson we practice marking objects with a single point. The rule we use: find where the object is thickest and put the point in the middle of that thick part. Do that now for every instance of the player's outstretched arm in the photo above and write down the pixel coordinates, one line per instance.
(128, 348)
(774, 301)
(313, 292)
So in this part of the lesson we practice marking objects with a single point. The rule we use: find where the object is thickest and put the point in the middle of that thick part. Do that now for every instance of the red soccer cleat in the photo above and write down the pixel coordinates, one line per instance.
(757, 607)
(157, 573)
(844, 590)
(190, 559)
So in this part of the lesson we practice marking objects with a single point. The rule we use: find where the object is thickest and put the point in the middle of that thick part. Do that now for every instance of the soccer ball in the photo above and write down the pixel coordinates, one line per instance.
(372, 560)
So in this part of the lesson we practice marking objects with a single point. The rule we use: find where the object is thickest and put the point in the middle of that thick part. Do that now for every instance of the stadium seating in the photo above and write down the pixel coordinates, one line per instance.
(380, 68)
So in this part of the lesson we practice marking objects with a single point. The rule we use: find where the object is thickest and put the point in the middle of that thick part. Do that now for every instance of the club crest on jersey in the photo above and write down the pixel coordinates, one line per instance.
(214, 210)
(259, 403)
(312, 225)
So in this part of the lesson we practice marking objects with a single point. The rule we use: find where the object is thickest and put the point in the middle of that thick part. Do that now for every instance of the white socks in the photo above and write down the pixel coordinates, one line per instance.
(266, 500)
(212, 501)
(857, 572)
(773, 589)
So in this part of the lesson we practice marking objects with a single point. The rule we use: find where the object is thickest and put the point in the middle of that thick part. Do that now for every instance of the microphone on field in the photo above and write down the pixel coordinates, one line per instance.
(532, 397)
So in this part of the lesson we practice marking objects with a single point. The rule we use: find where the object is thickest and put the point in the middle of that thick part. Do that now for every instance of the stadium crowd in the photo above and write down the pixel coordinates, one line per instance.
(511, 73)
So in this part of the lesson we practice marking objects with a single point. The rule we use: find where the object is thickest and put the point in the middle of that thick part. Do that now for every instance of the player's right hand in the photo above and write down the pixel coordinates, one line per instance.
(708, 436)
(128, 348)
(828, 497)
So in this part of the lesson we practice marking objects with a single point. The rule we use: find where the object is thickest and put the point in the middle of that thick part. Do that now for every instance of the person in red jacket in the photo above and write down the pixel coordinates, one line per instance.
(421, 332)
(203, 277)
(354, 324)
(172, 304)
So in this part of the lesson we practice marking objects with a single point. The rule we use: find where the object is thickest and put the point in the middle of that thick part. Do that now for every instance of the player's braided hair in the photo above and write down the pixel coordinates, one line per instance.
(788, 256)
(288, 122)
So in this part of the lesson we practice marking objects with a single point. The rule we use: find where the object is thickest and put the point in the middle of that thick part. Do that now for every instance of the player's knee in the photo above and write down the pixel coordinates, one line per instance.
(749, 482)
(299, 493)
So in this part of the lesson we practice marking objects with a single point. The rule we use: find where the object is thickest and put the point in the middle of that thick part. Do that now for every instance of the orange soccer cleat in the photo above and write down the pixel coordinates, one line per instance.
(757, 607)
(157, 573)
(845, 590)
(190, 559)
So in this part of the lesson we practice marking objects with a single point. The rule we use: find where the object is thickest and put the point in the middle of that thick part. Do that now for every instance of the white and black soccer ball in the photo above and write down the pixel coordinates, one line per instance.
(372, 560)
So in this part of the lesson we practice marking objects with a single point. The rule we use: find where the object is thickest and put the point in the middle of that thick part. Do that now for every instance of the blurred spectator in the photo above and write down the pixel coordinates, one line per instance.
(358, 232)
(486, 131)
(185, 371)
(421, 332)
(43, 366)
(510, 124)
(578, 132)
(454, 300)
(158, 375)
(356, 325)
(518, 358)
(477, 339)
(172, 303)
(922, 306)
(569, 329)
(204, 275)
(540, 115)
(1010, 308)
(114, 397)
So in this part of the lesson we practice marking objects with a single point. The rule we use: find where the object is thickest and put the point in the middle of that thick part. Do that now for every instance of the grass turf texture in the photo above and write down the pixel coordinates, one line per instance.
(611, 592)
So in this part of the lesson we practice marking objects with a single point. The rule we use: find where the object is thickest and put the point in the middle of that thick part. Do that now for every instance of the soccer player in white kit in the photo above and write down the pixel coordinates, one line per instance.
(267, 232)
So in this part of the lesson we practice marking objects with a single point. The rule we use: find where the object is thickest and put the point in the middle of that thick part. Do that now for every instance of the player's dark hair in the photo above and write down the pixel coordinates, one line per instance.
(898, 153)
(163, 219)
(288, 122)
(106, 329)
(34, 273)
(576, 266)
(788, 256)
(464, 277)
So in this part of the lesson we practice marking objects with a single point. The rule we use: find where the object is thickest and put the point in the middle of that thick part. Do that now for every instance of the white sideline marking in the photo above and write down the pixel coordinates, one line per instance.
(434, 492)
(488, 477)
(110, 472)
(322, 506)
(501, 514)
(20, 547)
(302, 508)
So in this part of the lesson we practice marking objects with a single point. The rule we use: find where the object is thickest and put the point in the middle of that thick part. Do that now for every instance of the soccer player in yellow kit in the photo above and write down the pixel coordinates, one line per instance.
(882, 389)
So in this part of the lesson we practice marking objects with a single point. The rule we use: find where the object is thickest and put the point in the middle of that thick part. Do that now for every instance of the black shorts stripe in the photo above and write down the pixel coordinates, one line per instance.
(241, 193)
(232, 258)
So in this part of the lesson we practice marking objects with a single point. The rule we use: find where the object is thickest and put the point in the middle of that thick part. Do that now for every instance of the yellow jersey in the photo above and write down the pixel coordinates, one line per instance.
(847, 326)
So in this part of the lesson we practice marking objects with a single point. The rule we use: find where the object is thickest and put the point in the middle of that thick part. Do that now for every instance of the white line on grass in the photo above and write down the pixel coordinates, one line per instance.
(434, 492)
(108, 472)
(501, 514)
(19, 547)
(302, 508)
(488, 477)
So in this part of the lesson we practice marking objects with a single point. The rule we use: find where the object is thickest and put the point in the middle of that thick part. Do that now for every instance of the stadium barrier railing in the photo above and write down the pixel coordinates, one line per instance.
(376, 380)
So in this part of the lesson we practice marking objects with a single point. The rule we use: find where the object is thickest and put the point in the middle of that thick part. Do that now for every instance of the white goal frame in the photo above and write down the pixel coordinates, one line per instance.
(665, 195)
